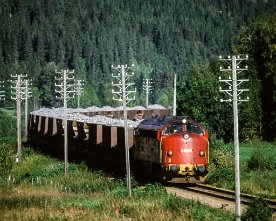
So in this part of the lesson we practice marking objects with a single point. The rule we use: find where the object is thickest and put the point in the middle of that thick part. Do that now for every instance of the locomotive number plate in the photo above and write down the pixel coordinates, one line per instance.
(186, 150)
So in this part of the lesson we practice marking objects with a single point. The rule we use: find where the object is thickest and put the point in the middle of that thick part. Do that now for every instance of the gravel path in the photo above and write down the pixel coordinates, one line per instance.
(208, 200)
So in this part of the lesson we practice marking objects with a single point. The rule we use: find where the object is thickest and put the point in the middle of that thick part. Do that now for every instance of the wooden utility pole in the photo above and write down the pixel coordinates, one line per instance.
(79, 90)
(27, 95)
(19, 95)
(233, 91)
(174, 96)
(147, 86)
(123, 94)
(64, 90)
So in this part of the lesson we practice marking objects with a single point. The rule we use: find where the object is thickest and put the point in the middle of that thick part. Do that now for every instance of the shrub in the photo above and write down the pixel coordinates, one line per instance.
(214, 142)
(222, 157)
(174, 204)
(6, 160)
(258, 211)
(35, 165)
(221, 175)
(7, 125)
(260, 161)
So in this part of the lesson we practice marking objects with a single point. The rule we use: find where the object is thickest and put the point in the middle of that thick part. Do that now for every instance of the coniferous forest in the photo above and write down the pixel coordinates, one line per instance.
(161, 38)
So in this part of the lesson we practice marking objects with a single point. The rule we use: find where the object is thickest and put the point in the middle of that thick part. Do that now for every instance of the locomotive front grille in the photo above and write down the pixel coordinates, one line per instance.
(182, 169)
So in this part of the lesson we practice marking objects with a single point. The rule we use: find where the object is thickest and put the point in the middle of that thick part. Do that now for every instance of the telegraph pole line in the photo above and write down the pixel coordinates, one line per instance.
(147, 88)
(174, 96)
(19, 94)
(26, 96)
(64, 87)
(122, 77)
(79, 90)
(233, 86)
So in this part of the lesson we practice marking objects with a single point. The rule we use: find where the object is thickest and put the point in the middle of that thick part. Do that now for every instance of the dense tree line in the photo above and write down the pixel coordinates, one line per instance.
(259, 40)
(199, 96)
(159, 37)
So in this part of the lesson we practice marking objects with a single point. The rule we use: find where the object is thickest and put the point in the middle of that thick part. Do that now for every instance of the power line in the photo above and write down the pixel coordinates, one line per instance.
(26, 95)
(123, 95)
(19, 91)
(234, 92)
(147, 87)
(65, 87)
(79, 89)
(174, 95)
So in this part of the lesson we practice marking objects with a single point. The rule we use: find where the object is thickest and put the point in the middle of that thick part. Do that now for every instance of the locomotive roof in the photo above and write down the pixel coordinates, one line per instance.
(156, 123)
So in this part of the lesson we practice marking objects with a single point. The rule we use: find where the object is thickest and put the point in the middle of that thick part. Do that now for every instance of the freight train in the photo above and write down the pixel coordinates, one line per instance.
(161, 146)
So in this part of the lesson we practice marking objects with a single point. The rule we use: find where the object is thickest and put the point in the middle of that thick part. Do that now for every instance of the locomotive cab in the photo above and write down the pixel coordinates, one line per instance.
(185, 151)
(176, 145)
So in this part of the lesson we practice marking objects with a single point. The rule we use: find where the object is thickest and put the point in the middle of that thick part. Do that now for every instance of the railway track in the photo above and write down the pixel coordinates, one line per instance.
(226, 197)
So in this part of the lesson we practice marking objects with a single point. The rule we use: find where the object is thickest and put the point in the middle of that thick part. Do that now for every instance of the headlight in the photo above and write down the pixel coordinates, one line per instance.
(169, 153)
(201, 153)
(186, 136)
(201, 169)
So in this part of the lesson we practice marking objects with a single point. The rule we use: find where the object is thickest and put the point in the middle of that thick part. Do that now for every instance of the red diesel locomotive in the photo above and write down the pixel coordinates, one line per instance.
(173, 148)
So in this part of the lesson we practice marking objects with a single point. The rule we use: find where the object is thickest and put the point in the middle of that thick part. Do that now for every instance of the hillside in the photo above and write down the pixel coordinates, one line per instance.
(160, 37)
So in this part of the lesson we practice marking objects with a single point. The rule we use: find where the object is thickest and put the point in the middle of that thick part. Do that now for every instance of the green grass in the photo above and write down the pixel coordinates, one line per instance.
(246, 149)
(257, 166)
(38, 190)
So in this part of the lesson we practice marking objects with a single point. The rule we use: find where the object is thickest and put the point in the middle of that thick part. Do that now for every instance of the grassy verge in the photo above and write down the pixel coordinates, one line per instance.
(36, 189)
(257, 166)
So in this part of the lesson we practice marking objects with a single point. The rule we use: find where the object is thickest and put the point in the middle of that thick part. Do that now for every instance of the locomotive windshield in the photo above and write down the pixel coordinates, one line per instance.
(173, 128)
(179, 127)
(194, 128)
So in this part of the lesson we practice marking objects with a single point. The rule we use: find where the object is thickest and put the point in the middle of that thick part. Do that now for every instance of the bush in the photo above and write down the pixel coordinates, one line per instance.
(6, 159)
(214, 142)
(222, 157)
(222, 175)
(7, 125)
(174, 203)
(258, 211)
(260, 161)
(221, 169)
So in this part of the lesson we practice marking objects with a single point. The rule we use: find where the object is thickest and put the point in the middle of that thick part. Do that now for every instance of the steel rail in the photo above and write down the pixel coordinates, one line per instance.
(225, 194)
